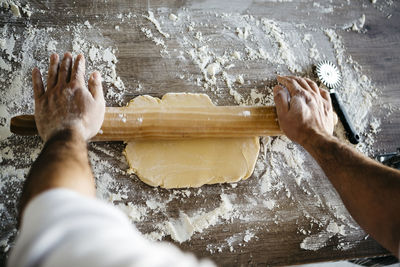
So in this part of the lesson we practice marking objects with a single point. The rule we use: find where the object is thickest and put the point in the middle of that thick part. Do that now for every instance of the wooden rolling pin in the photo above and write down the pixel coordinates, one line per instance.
(123, 123)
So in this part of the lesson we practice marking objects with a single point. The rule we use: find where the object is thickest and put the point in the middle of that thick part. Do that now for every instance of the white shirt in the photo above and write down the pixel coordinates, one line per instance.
(63, 228)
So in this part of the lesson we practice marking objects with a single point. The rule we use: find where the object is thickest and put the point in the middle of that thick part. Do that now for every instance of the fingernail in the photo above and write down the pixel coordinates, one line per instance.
(96, 76)
(67, 55)
(53, 57)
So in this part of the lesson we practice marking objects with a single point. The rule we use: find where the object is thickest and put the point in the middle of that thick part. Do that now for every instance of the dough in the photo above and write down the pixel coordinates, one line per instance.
(190, 162)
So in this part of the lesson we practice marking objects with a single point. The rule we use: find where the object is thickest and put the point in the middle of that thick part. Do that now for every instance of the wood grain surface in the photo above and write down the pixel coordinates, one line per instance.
(377, 50)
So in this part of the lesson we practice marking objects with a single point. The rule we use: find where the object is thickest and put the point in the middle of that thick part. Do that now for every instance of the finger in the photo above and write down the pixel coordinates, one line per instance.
(312, 85)
(78, 70)
(325, 94)
(302, 82)
(281, 98)
(64, 72)
(53, 71)
(289, 83)
(38, 88)
(95, 87)
(335, 118)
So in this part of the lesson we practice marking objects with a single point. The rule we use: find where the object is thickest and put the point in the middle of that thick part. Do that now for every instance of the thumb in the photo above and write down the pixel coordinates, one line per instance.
(281, 98)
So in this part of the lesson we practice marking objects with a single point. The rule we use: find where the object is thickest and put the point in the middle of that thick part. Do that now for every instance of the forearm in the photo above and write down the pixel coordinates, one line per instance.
(369, 190)
(64, 163)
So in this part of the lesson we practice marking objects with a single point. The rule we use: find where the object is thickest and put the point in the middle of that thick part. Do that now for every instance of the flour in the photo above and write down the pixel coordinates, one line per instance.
(384, 6)
(240, 79)
(219, 59)
(248, 236)
(156, 40)
(156, 205)
(7, 44)
(355, 86)
(313, 50)
(217, 72)
(280, 157)
(16, 8)
(243, 33)
(357, 25)
(259, 39)
(272, 29)
(4, 123)
(21, 51)
(134, 213)
(52, 46)
(184, 227)
(213, 69)
(173, 17)
(151, 18)
(323, 9)
(317, 241)
(375, 125)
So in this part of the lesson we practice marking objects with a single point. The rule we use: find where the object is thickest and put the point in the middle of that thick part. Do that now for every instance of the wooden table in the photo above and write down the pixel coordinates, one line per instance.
(140, 62)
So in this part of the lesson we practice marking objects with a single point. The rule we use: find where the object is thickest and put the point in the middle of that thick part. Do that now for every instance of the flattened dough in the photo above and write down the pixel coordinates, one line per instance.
(194, 162)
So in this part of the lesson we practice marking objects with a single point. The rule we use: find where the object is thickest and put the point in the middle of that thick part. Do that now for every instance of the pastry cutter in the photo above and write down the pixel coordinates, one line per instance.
(330, 76)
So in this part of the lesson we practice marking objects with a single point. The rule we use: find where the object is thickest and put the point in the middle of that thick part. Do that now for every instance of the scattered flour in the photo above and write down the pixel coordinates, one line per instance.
(217, 73)
(220, 60)
(151, 18)
(16, 8)
(173, 17)
(357, 25)
(323, 9)
(248, 236)
(272, 29)
(243, 33)
(158, 41)
(185, 226)
(357, 92)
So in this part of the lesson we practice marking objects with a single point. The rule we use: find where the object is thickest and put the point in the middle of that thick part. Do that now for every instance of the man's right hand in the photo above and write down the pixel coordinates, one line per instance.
(304, 110)
(369, 190)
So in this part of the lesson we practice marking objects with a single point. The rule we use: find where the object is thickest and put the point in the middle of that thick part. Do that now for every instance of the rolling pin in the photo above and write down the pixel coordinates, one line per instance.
(124, 123)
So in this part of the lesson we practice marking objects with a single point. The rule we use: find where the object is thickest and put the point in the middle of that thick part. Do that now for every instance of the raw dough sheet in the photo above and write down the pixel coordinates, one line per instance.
(193, 162)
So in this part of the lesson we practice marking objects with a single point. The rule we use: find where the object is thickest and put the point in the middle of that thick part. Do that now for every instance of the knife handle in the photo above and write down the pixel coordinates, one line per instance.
(351, 133)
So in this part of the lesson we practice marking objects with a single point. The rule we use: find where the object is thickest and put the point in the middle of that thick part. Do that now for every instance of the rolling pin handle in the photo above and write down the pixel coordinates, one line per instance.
(23, 125)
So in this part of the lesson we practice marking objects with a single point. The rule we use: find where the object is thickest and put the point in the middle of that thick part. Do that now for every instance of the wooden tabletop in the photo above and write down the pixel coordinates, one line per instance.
(141, 64)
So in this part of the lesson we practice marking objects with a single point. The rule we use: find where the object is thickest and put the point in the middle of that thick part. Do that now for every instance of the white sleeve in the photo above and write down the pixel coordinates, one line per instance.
(62, 228)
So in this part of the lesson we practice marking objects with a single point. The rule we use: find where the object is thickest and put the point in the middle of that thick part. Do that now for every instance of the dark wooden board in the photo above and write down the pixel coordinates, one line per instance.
(376, 50)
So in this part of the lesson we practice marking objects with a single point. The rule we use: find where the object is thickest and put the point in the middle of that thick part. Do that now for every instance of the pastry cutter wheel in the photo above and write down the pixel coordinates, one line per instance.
(330, 76)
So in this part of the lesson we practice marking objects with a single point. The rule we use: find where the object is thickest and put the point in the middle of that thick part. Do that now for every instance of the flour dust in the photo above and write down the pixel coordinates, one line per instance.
(219, 54)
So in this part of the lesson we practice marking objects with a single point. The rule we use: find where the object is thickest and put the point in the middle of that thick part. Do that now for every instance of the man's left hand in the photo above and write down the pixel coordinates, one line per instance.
(68, 103)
